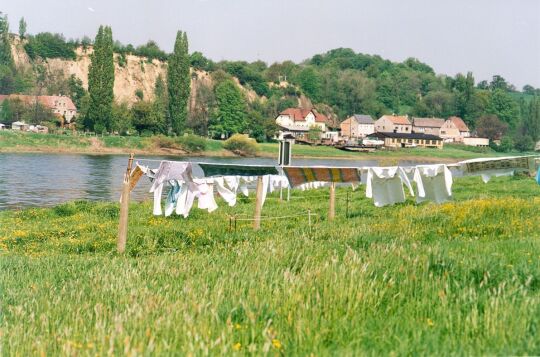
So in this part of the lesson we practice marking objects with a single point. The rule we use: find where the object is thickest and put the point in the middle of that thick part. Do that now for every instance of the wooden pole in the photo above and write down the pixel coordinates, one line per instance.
(258, 204)
(124, 209)
(332, 208)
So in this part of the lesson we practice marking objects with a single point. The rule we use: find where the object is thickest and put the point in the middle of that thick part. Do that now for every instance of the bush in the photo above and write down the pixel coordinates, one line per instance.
(49, 45)
(167, 142)
(192, 143)
(241, 145)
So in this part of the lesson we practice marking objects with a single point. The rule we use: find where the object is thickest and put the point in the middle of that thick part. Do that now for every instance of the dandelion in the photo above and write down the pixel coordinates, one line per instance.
(277, 344)
(430, 322)
(237, 326)
(237, 346)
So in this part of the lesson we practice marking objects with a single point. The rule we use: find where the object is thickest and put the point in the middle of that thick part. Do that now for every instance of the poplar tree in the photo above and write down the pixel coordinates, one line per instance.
(6, 58)
(179, 83)
(101, 82)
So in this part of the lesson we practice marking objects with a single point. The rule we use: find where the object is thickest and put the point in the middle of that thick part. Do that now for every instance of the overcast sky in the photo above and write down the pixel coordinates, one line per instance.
(486, 37)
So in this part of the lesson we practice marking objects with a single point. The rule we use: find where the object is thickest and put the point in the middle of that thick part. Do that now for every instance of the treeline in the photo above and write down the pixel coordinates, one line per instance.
(338, 83)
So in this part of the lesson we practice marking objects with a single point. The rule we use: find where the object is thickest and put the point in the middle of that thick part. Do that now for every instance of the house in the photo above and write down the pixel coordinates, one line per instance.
(393, 124)
(357, 126)
(431, 126)
(402, 140)
(470, 141)
(19, 125)
(455, 129)
(61, 105)
(299, 121)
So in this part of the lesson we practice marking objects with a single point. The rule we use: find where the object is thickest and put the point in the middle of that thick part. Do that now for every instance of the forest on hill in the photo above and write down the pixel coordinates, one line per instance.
(338, 83)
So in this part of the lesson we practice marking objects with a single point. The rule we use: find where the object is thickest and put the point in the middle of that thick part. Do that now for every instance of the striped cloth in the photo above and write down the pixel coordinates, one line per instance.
(300, 175)
(523, 163)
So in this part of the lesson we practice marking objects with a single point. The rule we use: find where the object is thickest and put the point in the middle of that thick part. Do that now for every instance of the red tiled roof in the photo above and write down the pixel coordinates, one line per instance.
(300, 114)
(459, 123)
(396, 119)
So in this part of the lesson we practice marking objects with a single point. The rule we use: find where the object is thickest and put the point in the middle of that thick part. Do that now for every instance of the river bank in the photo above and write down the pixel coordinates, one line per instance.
(17, 142)
(462, 276)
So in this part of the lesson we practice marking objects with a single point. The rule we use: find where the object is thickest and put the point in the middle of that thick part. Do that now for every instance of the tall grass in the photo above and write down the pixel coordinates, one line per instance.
(461, 278)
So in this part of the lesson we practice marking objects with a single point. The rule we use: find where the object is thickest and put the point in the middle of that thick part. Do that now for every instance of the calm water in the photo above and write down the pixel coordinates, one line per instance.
(40, 180)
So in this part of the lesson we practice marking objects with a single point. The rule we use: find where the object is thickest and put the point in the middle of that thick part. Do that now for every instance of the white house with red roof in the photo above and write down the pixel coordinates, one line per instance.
(299, 121)
(61, 105)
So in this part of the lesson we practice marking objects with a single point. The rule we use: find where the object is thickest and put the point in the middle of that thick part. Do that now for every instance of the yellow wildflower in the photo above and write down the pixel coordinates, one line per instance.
(237, 346)
(276, 343)
(430, 322)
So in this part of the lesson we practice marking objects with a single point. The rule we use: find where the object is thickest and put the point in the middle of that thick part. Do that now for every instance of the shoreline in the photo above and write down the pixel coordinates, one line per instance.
(218, 154)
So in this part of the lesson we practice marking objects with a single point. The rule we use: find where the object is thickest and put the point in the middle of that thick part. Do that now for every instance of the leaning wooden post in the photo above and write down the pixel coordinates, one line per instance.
(124, 209)
(258, 204)
(332, 208)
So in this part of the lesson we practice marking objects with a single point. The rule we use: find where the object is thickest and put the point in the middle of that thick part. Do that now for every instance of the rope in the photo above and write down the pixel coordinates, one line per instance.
(274, 218)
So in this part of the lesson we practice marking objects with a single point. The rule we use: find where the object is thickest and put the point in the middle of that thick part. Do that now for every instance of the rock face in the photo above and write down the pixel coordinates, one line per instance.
(137, 73)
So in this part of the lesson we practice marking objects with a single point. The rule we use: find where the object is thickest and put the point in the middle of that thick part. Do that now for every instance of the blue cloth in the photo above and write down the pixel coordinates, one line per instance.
(172, 197)
(538, 176)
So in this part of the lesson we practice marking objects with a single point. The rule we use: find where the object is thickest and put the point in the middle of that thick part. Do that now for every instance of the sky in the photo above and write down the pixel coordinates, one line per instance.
(486, 37)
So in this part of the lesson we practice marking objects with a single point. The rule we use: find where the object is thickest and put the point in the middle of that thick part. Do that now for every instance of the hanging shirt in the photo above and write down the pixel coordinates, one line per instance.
(227, 194)
(433, 183)
(167, 171)
(538, 176)
(206, 198)
(385, 185)
(277, 182)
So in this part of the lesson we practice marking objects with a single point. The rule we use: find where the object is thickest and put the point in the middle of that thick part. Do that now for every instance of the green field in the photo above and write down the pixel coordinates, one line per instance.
(461, 278)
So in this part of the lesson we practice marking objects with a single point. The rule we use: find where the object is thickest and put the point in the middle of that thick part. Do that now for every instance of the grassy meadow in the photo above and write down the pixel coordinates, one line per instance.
(461, 278)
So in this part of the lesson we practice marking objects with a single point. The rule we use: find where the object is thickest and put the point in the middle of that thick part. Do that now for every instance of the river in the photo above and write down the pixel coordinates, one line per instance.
(44, 180)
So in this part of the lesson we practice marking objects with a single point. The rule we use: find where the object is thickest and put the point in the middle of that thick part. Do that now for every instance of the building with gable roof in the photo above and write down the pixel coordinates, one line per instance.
(298, 121)
(431, 126)
(357, 126)
(455, 129)
(61, 105)
(393, 124)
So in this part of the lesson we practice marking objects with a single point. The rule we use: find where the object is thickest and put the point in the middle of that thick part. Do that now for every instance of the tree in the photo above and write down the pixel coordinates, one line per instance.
(464, 97)
(179, 83)
(22, 28)
(504, 107)
(491, 127)
(147, 119)
(101, 82)
(310, 82)
(123, 119)
(76, 91)
(6, 58)
(498, 82)
(230, 117)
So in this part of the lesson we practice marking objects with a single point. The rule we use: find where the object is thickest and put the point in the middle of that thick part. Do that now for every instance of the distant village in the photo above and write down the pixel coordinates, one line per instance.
(361, 132)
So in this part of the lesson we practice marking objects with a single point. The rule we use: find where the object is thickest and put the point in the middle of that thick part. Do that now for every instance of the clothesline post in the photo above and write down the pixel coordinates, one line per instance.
(258, 204)
(124, 209)
(332, 208)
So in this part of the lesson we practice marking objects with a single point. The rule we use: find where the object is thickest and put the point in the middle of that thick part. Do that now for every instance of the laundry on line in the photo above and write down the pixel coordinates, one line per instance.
(385, 185)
